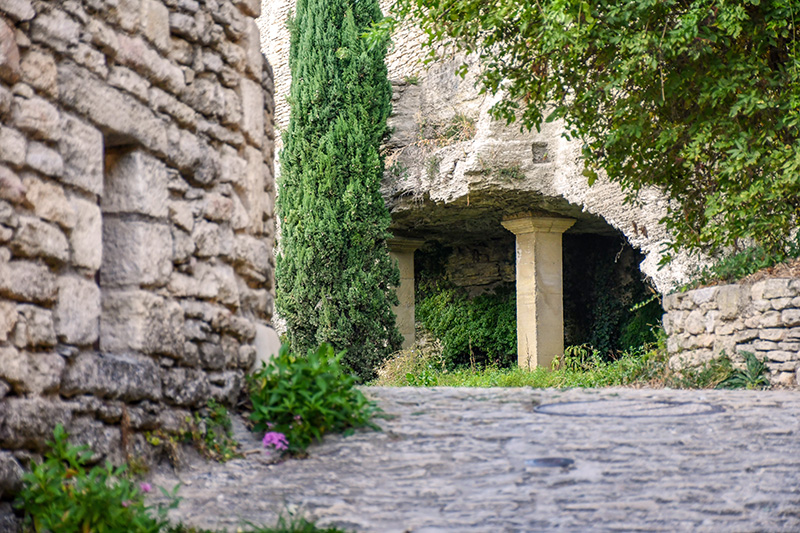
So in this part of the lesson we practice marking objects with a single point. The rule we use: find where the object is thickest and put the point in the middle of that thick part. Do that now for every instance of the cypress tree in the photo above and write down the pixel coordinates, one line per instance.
(335, 279)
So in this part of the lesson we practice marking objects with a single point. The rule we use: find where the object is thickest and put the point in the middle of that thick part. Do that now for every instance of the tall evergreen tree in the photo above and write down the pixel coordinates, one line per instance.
(335, 277)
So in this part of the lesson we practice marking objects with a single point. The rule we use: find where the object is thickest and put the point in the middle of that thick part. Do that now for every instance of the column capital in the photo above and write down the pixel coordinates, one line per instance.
(527, 223)
(404, 245)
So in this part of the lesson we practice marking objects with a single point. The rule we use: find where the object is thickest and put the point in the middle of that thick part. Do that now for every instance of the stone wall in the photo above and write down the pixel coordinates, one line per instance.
(136, 228)
(762, 318)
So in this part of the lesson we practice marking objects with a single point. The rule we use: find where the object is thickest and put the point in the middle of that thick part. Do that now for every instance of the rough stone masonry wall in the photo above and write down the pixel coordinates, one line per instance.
(762, 318)
(136, 228)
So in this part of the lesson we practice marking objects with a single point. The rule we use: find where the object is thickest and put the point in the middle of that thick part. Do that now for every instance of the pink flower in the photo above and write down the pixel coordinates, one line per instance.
(298, 417)
(276, 440)
(126, 503)
(146, 487)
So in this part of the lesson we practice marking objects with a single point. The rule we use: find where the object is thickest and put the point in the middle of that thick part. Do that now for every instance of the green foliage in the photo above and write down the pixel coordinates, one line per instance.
(306, 397)
(700, 98)
(481, 330)
(752, 376)
(738, 265)
(62, 494)
(290, 524)
(509, 173)
(335, 280)
(212, 433)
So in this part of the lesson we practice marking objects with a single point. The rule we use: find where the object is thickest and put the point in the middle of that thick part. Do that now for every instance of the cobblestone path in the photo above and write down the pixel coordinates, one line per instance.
(529, 460)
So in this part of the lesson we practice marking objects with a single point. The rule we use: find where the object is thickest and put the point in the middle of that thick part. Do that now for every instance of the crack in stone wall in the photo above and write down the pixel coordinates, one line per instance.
(136, 217)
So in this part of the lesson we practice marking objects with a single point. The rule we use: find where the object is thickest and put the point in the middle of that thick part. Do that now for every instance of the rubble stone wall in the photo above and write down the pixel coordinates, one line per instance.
(761, 318)
(136, 216)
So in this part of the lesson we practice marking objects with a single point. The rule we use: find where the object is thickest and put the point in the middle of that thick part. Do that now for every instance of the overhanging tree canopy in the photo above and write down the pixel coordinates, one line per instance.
(700, 98)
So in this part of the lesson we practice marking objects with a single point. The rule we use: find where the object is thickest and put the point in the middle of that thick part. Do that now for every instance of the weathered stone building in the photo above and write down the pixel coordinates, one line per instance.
(136, 217)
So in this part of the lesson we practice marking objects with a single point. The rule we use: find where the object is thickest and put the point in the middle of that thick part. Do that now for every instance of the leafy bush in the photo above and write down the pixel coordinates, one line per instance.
(305, 397)
(482, 330)
(752, 376)
(63, 494)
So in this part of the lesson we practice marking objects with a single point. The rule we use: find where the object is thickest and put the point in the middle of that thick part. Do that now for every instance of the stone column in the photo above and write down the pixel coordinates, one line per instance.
(402, 250)
(540, 298)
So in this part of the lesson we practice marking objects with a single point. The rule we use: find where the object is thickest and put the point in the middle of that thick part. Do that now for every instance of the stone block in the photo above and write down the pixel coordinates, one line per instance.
(13, 146)
(135, 252)
(81, 147)
(140, 321)
(120, 115)
(55, 29)
(789, 346)
(181, 214)
(232, 115)
(49, 202)
(212, 356)
(185, 387)
(725, 344)
(35, 327)
(207, 237)
(86, 238)
(27, 281)
(695, 322)
(39, 71)
(251, 256)
(793, 334)
(772, 288)
(783, 356)
(9, 54)
(44, 159)
(252, 97)
(133, 52)
(38, 239)
(11, 187)
(772, 334)
(206, 95)
(136, 182)
(790, 317)
(104, 441)
(28, 423)
(226, 386)
(789, 366)
(730, 300)
(252, 47)
(251, 190)
(10, 476)
(250, 8)
(166, 103)
(182, 246)
(781, 303)
(8, 319)
(155, 23)
(764, 346)
(127, 80)
(31, 373)
(210, 282)
(36, 117)
(19, 10)
(124, 377)
(77, 311)
(770, 319)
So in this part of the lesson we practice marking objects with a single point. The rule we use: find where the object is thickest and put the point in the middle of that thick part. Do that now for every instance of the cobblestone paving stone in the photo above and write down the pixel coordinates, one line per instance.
(476, 460)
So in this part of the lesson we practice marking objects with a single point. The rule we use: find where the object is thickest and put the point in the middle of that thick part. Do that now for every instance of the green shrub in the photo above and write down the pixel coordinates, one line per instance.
(481, 331)
(752, 376)
(62, 494)
(305, 397)
(335, 279)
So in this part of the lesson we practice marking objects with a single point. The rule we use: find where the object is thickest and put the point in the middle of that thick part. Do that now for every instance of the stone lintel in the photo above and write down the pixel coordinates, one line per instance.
(527, 223)
(402, 245)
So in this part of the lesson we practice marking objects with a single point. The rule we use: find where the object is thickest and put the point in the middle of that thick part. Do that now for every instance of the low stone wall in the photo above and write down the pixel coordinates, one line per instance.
(762, 318)
(136, 228)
